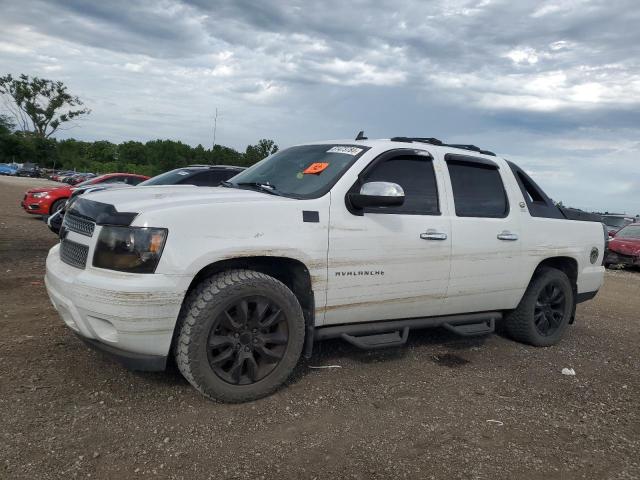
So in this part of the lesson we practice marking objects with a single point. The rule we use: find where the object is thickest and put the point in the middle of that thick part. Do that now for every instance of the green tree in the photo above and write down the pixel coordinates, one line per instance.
(255, 153)
(6, 125)
(132, 153)
(39, 105)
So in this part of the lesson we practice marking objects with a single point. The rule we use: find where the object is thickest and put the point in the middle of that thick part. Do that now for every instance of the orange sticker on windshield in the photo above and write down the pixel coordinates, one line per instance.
(316, 168)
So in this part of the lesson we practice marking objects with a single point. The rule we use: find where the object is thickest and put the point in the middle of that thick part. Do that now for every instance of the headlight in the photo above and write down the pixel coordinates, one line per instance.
(129, 249)
(40, 194)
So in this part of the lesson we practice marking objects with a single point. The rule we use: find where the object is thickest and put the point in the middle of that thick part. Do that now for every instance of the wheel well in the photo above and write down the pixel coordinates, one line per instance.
(567, 265)
(293, 273)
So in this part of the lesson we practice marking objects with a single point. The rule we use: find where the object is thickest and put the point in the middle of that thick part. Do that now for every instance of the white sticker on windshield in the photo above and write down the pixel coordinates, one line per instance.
(347, 150)
(182, 172)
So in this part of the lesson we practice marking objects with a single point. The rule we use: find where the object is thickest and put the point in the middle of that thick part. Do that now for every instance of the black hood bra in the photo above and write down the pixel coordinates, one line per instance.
(101, 213)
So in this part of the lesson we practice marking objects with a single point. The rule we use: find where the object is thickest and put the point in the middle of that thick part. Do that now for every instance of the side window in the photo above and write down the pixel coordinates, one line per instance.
(113, 179)
(133, 180)
(477, 190)
(208, 178)
(532, 194)
(417, 178)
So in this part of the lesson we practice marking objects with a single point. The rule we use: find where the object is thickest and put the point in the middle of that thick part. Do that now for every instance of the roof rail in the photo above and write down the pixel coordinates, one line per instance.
(435, 141)
(471, 147)
(430, 140)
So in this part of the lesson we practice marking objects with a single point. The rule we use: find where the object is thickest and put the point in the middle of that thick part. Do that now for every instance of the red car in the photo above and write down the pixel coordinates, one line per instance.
(624, 247)
(47, 201)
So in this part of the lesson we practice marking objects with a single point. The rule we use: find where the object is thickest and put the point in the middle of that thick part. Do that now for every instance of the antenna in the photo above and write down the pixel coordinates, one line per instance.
(215, 127)
(361, 135)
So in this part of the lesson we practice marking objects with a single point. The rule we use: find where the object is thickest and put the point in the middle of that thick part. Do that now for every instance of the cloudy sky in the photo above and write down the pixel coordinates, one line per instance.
(554, 86)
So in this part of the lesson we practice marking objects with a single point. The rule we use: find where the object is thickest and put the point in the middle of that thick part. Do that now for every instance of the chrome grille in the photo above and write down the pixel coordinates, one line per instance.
(78, 225)
(74, 254)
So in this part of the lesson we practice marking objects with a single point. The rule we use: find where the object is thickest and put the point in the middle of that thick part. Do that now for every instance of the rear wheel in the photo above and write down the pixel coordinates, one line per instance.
(545, 310)
(240, 335)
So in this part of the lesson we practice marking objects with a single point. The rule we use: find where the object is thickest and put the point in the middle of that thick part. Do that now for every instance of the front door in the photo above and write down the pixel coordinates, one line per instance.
(390, 262)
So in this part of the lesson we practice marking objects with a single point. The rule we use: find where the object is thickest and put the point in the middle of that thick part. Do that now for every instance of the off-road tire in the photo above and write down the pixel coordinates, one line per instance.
(519, 324)
(57, 205)
(204, 304)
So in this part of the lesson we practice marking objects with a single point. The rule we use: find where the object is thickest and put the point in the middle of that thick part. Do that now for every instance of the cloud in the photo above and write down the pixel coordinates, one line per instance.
(533, 80)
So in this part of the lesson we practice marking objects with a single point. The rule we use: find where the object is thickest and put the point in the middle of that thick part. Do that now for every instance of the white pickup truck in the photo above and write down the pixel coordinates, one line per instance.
(361, 240)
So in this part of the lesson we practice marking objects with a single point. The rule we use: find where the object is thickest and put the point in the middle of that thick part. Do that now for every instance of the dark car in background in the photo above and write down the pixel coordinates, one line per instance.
(78, 178)
(198, 175)
(28, 170)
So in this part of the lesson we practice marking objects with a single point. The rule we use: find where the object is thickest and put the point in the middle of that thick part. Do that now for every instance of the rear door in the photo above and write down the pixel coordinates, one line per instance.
(390, 262)
(486, 261)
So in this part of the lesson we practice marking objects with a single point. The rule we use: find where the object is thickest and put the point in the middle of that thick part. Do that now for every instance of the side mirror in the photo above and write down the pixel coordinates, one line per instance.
(378, 194)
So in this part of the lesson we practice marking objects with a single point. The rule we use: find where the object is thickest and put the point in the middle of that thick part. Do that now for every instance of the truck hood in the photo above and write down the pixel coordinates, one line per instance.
(626, 246)
(152, 198)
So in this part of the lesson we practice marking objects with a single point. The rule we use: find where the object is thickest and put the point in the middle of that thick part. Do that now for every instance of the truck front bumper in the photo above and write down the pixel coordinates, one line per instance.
(131, 317)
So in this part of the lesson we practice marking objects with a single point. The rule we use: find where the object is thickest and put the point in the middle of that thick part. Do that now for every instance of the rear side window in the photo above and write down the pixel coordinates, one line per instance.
(477, 190)
(417, 178)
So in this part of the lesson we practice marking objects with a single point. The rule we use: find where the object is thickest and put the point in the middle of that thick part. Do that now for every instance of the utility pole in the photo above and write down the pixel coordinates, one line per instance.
(215, 126)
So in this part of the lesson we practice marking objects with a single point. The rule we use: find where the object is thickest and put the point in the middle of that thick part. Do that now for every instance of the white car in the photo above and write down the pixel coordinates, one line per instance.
(362, 240)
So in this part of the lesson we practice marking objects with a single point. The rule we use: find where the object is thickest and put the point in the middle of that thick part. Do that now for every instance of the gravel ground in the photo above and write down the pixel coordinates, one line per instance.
(443, 407)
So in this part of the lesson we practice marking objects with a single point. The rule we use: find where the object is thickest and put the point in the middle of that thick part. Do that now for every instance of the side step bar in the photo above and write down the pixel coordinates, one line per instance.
(394, 333)
(378, 340)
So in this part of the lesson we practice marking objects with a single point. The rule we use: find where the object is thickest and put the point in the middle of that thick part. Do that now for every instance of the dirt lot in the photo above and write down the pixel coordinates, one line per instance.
(443, 407)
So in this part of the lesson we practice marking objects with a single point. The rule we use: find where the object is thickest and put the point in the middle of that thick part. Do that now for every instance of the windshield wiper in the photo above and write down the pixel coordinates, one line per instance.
(228, 184)
(263, 187)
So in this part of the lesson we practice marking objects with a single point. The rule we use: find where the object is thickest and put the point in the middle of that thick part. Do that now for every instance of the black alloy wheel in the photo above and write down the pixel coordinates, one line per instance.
(545, 310)
(247, 340)
(549, 309)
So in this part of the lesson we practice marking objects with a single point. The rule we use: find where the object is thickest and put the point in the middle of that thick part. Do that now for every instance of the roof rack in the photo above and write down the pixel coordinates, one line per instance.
(435, 141)
(431, 140)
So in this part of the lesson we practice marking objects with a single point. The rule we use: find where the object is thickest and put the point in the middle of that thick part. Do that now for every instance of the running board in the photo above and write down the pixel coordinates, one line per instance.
(382, 334)
(472, 329)
(378, 340)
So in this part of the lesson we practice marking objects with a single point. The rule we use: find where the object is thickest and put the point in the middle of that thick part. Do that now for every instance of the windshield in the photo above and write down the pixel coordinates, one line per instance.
(615, 221)
(307, 171)
(172, 177)
(632, 231)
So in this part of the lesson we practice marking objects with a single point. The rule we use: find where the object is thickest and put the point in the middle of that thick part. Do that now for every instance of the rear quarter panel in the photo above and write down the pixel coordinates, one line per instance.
(549, 237)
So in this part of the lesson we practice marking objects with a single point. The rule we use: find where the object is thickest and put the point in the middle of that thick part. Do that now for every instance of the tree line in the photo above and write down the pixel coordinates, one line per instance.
(36, 108)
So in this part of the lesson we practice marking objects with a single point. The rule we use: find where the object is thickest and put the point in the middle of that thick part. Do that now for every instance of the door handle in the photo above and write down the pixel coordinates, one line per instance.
(432, 234)
(508, 236)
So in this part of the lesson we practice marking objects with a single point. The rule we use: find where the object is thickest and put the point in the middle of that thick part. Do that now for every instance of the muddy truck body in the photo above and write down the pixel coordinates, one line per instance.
(362, 240)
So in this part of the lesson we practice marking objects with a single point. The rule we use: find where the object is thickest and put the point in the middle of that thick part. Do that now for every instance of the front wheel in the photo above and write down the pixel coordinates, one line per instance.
(543, 314)
(57, 205)
(240, 335)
